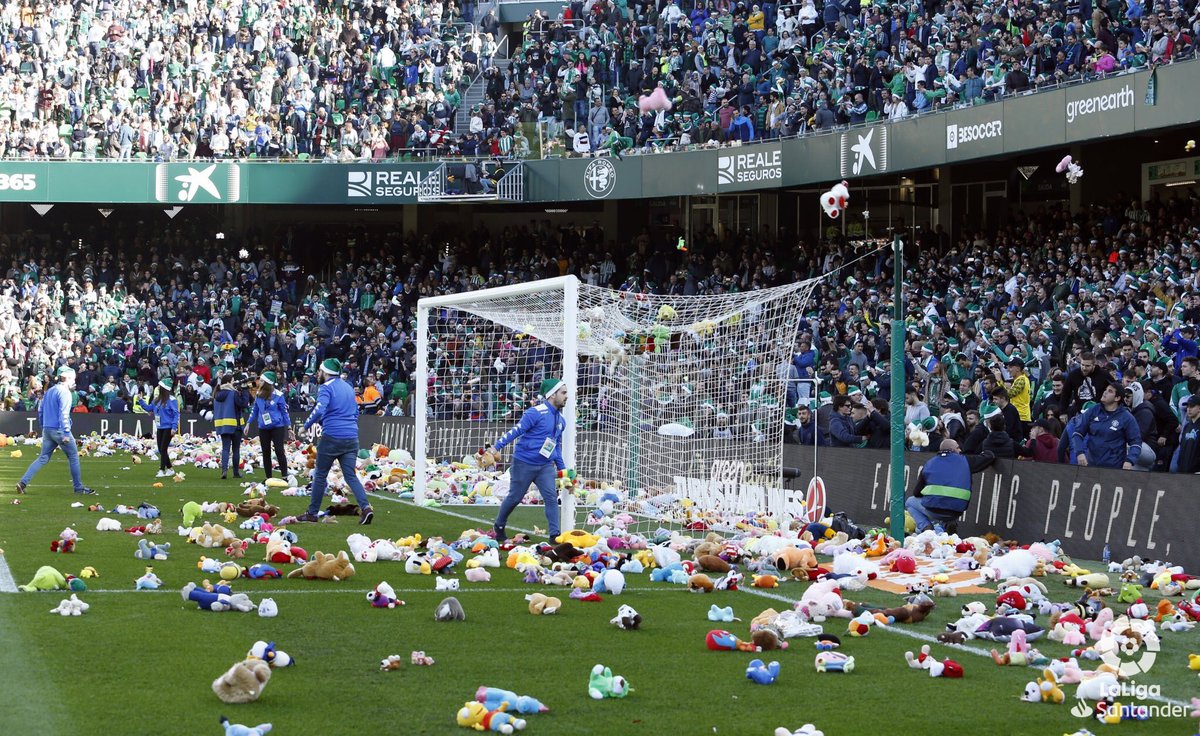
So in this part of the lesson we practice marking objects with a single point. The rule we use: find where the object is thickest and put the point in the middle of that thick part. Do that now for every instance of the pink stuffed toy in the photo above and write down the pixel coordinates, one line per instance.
(478, 575)
(1071, 168)
(655, 101)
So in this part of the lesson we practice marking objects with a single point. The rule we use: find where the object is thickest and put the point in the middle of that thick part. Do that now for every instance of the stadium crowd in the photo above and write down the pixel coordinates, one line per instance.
(1010, 336)
(744, 71)
(244, 78)
(364, 81)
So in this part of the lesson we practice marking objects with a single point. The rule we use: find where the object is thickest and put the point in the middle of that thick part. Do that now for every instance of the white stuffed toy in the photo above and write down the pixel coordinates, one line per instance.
(835, 200)
(71, 607)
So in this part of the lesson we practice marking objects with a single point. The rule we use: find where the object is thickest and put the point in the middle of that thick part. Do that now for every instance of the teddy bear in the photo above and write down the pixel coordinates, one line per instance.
(700, 583)
(449, 610)
(243, 682)
(475, 715)
(211, 535)
(627, 618)
(792, 558)
(543, 605)
(768, 638)
(909, 613)
(256, 506)
(325, 567)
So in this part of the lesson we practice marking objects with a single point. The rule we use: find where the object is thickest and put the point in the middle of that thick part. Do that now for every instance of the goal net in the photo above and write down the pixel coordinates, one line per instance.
(677, 403)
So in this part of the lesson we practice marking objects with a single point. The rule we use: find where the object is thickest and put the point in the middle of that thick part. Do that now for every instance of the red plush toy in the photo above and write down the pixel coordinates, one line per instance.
(719, 640)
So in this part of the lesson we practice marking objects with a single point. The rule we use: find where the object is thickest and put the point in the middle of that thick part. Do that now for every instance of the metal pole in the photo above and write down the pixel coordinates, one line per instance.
(897, 396)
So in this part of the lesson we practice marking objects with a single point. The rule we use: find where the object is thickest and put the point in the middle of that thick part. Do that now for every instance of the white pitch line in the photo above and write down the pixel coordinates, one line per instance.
(442, 510)
(548, 589)
(899, 629)
(7, 584)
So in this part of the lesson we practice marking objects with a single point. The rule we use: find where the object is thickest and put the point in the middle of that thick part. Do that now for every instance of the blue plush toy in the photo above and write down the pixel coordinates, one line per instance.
(147, 511)
(663, 574)
(262, 572)
(721, 614)
(148, 550)
(237, 729)
(219, 598)
(763, 674)
(492, 697)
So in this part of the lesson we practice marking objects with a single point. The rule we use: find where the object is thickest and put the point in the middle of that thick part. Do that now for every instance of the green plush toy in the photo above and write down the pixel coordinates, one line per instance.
(191, 512)
(46, 578)
(603, 684)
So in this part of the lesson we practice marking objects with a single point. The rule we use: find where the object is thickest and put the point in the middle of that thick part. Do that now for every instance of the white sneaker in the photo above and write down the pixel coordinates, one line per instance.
(160, 474)
(168, 473)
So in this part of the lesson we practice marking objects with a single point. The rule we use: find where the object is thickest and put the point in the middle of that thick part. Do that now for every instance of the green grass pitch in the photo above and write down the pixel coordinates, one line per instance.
(143, 662)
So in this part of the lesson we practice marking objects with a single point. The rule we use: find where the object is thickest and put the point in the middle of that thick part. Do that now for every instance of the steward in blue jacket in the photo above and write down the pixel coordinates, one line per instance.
(943, 489)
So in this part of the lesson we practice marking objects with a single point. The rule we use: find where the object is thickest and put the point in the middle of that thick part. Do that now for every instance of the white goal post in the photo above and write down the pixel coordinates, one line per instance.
(679, 401)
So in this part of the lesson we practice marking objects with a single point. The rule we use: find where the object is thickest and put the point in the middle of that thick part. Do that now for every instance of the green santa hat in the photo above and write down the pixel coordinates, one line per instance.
(64, 372)
(825, 397)
(928, 424)
(988, 410)
(331, 366)
(269, 377)
(165, 384)
(550, 386)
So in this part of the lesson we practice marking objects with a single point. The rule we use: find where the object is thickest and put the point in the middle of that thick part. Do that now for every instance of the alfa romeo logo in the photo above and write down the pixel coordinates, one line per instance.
(1132, 648)
(600, 178)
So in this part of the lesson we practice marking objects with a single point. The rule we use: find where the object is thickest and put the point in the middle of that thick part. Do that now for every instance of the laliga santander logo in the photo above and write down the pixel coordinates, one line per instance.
(1132, 648)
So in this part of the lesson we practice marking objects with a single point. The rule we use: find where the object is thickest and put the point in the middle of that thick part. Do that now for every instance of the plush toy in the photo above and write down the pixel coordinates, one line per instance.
(627, 618)
(822, 600)
(831, 661)
(446, 584)
(1071, 168)
(656, 101)
(765, 581)
(256, 506)
(492, 697)
(1049, 689)
(46, 578)
(325, 567)
(191, 512)
(384, 596)
(243, 682)
(1090, 580)
(807, 729)
(71, 607)
(421, 659)
(449, 610)
(475, 715)
(725, 614)
(945, 668)
(477, 575)
(108, 525)
(237, 729)
(148, 550)
(220, 598)
(391, 663)
(148, 581)
(763, 674)
(543, 605)
(609, 581)
(230, 571)
(602, 683)
(1018, 651)
(266, 651)
(720, 640)
(417, 564)
(1001, 628)
(267, 608)
(260, 572)
(88, 572)
(768, 638)
(835, 200)
(909, 613)
(66, 541)
(700, 583)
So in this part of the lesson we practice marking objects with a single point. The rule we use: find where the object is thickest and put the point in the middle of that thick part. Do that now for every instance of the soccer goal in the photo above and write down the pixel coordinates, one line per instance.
(677, 403)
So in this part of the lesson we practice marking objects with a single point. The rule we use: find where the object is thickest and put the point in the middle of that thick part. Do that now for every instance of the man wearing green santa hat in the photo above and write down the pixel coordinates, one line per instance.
(337, 413)
(537, 457)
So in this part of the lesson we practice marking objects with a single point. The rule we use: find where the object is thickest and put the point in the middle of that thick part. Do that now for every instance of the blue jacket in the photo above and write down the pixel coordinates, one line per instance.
(166, 414)
(228, 407)
(269, 413)
(841, 432)
(1107, 438)
(336, 410)
(55, 411)
(944, 483)
(538, 424)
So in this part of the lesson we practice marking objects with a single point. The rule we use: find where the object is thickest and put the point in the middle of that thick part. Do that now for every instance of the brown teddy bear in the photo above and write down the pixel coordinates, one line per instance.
(909, 613)
(243, 682)
(712, 563)
(711, 545)
(254, 506)
(322, 566)
(791, 558)
(700, 583)
(211, 535)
